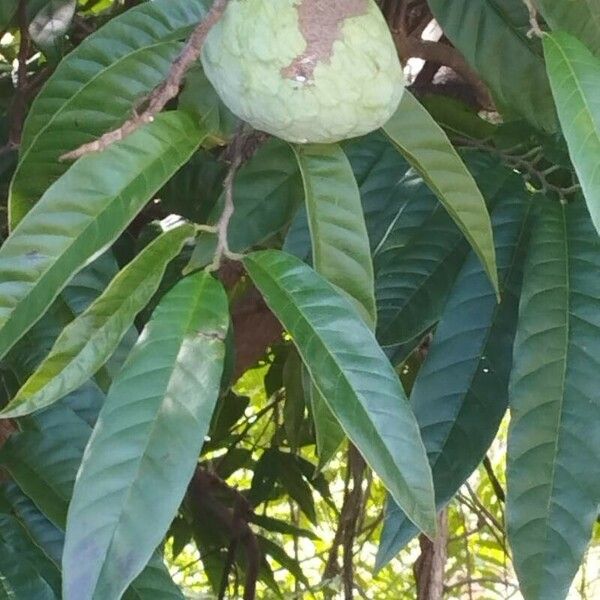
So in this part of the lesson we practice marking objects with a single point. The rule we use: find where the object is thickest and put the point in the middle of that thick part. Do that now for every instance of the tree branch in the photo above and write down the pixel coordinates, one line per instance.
(165, 92)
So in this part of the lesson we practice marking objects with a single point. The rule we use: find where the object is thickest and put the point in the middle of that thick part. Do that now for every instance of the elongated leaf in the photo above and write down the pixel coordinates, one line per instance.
(492, 36)
(44, 458)
(328, 432)
(353, 375)
(580, 18)
(280, 555)
(293, 409)
(426, 146)
(461, 392)
(340, 252)
(15, 535)
(19, 578)
(81, 291)
(44, 462)
(554, 442)
(81, 214)
(87, 343)
(279, 526)
(416, 264)
(340, 243)
(145, 446)
(113, 68)
(413, 282)
(575, 78)
(43, 533)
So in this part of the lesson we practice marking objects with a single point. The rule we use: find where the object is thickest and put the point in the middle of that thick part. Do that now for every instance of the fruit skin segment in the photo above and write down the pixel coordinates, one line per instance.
(315, 71)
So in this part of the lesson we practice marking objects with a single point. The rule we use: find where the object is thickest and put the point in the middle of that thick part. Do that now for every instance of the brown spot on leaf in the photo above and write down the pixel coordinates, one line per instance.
(321, 24)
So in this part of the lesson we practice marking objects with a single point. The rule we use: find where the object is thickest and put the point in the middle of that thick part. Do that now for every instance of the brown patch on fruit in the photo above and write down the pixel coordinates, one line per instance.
(320, 23)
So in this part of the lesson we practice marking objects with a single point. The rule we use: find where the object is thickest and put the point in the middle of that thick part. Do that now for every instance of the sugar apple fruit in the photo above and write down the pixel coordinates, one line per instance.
(314, 71)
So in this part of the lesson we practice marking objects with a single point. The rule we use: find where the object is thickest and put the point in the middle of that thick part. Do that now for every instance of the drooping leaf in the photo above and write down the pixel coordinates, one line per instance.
(43, 533)
(293, 409)
(461, 392)
(426, 146)
(115, 67)
(14, 535)
(580, 18)
(492, 36)
(328, 433)
(81, 214)
(340, 243)
(279, 526)
(280, 555)
(352, 373)
(19, 578)
(145, 446)
(416, 263)
(44, 461)
(553, 472)
(575, 79)
(340, 252)
(87, 342)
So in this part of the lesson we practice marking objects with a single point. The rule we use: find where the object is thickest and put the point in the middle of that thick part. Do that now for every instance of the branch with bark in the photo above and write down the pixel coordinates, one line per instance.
(165, 92)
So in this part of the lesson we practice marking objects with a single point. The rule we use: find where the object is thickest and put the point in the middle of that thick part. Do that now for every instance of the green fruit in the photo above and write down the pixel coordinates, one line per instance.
(305, 70)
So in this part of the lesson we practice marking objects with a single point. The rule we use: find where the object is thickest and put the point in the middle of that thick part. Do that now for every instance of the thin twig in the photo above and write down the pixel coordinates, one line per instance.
(535, 30)
(165, 92)
(496, 485)
(19, 105)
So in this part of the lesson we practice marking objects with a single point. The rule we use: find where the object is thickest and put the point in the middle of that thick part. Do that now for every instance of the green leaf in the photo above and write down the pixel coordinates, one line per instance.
(81, 214)
(417, 261)
(425, 145)
(267, 191)
(43, 533)
(293, 409)
(115, 68)
(19, 578)
(328, 433)
(413, 280)
(340, 243)
(352, 373)
(88, 341)
(14, 535)
(553, 471)
(492, 36)
(340, 252)
(277, 553)
(8, 8)
(461, 392)
(146, 443)
(580, 18)
(575, 79)
(278, 526)
(292, 480)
